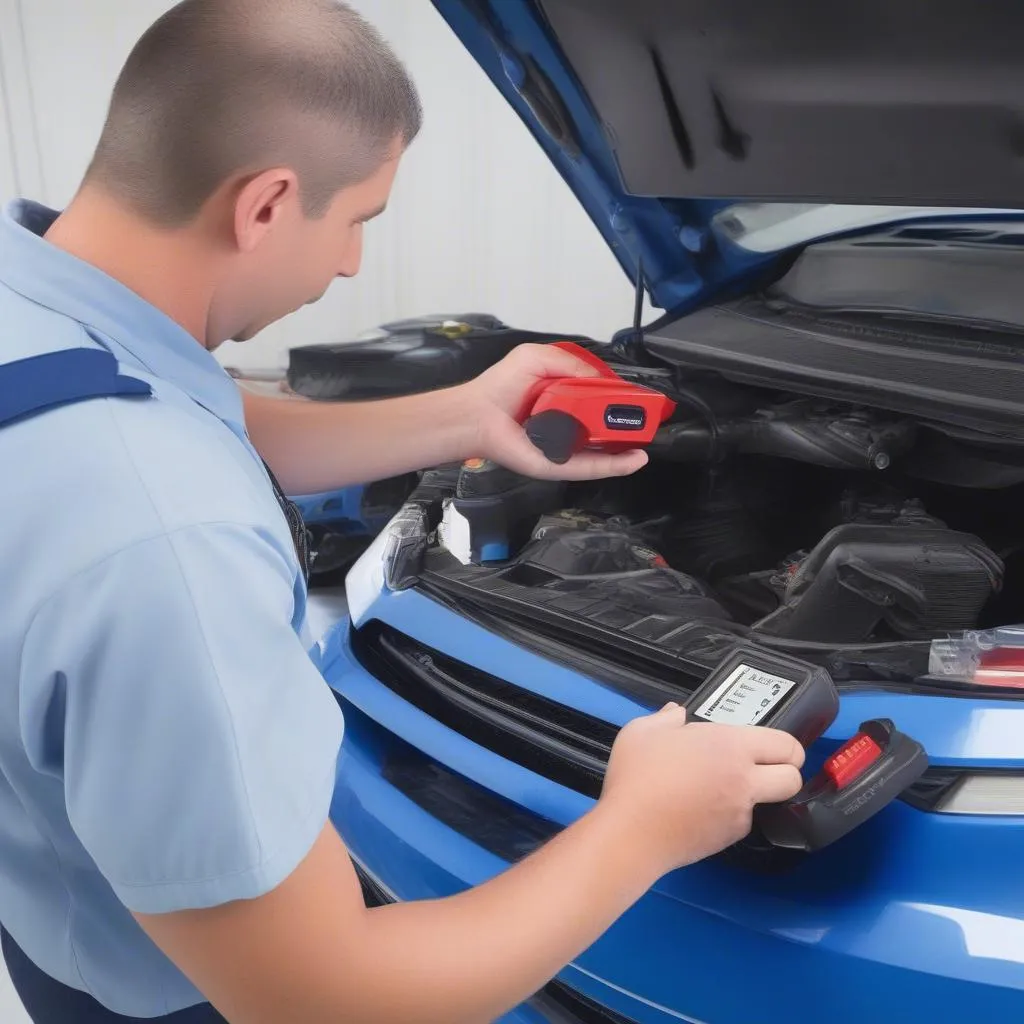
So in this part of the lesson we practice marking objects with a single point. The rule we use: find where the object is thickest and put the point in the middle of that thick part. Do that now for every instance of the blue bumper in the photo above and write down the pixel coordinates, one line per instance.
(915, 917)
(337, 507)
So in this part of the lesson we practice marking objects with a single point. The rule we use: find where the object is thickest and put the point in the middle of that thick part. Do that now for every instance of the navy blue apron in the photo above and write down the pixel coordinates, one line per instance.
(29, 388)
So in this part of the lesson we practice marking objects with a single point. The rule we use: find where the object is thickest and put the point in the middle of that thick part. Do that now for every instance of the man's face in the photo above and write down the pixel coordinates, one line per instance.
(297, 261)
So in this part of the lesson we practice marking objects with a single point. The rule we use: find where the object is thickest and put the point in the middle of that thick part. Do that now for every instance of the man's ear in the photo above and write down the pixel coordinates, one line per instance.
(260, 203)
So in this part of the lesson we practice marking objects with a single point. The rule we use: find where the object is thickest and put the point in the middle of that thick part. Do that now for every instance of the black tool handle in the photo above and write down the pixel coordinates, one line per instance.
(824, 811)
(557, 434)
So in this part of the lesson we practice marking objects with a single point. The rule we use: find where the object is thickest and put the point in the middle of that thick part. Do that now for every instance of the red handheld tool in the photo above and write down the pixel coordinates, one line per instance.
(605, 413)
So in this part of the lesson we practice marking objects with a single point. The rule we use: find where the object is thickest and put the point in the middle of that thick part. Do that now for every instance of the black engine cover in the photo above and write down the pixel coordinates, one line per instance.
(599, 568)
(408, 357)
(913, 582)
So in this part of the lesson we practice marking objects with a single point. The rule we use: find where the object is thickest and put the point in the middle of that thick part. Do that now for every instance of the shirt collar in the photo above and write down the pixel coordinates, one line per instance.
(53, 278)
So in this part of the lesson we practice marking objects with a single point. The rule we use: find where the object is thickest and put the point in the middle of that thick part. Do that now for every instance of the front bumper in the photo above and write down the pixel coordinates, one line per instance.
(916, 917)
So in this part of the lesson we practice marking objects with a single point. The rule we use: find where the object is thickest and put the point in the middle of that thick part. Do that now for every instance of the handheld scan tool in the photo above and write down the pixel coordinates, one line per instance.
(606, 413)
(756, 686)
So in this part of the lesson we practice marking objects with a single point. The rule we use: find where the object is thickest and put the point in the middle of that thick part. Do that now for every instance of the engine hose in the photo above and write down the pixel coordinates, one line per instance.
(690, 398)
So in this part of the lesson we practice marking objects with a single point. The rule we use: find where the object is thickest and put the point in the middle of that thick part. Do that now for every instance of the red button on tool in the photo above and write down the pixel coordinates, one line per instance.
(852, 759)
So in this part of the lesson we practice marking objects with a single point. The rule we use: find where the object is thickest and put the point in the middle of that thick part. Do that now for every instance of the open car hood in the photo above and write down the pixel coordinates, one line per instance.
(707, 139)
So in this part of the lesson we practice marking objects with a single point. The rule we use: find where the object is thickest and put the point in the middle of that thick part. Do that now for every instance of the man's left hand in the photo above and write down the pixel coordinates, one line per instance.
(497, 399)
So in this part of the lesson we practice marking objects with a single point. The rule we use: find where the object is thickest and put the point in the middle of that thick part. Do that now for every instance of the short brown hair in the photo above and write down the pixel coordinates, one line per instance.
(217, 88)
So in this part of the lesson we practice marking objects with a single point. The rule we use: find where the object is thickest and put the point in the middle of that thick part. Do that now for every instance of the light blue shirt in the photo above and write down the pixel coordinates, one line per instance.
(166, 739)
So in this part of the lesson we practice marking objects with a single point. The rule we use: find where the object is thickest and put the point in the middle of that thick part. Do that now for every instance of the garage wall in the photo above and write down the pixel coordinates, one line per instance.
(453, 240)
(7, 177)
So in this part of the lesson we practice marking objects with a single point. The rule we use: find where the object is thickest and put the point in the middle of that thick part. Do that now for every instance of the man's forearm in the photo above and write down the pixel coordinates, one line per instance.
(310, 951)
(321, 446)
(306, 953)
(468, 959)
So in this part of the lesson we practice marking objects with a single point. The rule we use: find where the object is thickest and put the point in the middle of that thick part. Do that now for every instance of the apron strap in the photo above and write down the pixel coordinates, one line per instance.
(296, 525)
(40, 383)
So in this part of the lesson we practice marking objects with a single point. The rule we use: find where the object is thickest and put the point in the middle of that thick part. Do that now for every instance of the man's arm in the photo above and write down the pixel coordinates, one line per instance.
(309, 951)
(321, 446)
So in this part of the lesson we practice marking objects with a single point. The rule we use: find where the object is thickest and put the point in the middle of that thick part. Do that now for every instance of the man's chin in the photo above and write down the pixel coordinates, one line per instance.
(248, 333)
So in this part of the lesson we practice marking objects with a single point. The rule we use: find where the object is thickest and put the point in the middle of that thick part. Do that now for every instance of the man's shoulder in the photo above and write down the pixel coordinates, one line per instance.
(185, 462)
(96, 477)
(29, 329)
(190, 466)
(93, 479)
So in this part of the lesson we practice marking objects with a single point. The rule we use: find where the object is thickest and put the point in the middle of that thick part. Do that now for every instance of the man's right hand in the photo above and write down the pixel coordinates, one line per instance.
(310, 951)
(689, 790)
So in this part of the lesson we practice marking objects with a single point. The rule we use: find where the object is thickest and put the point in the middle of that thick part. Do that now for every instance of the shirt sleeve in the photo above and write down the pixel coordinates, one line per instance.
(199, 739)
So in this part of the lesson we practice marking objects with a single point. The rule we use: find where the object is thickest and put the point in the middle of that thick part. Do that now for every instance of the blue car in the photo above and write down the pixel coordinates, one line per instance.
(824, 202)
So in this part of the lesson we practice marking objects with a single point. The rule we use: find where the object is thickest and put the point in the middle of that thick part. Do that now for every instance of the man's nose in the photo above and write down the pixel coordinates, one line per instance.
(353, 258)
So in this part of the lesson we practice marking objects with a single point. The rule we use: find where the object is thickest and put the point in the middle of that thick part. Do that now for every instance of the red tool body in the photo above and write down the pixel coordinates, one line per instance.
(606, 413)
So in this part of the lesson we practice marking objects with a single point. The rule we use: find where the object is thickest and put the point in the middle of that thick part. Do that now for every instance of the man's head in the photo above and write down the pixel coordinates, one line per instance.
(271, 127)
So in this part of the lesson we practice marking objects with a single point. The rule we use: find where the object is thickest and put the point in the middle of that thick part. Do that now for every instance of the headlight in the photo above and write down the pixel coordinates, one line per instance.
(392, 562)
(984, 793)
(987, 659)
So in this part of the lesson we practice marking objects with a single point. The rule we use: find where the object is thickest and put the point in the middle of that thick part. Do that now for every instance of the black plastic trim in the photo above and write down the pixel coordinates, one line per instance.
(562, 1005)
(649, 682)
(569, 748)
(495, 824)
(931, 369)
(374, 894)
(611, 645)
(934, 788)
(966, 273)
(652, 675)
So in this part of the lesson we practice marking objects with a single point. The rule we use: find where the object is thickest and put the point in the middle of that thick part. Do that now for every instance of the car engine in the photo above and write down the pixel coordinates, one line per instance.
(799, 520)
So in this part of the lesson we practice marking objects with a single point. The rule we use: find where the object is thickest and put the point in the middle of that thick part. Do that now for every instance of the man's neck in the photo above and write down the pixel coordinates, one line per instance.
(167, 268)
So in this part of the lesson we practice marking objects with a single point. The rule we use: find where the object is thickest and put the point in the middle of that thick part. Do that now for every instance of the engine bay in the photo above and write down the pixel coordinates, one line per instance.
(805, 556)
(834, 476)
(798, 520)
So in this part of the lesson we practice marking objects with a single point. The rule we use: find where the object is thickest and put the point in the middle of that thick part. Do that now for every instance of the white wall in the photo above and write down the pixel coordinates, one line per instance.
(453, 239)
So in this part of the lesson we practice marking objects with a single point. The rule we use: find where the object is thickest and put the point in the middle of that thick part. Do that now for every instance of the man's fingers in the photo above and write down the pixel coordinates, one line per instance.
(549, 361)
(514, 450)
(599, 466)
(672, 713)
(774, 783)
(773, 746)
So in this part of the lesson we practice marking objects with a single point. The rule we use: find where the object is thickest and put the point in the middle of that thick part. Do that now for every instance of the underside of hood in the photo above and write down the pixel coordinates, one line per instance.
(665, 116)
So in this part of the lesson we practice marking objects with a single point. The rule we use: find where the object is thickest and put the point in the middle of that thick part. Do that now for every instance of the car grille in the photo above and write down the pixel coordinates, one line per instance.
(492, 822)
(556, 741)
(567, 746)
(560, 1004)
(374, 894)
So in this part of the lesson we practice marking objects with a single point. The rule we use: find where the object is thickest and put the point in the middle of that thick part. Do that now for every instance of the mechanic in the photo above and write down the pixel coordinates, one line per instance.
(167, 742)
